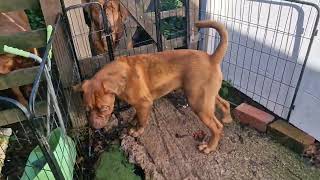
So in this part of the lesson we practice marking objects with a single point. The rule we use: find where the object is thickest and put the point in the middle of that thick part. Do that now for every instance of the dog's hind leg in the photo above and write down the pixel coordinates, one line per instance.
(216, 130)
(225, 108)
(202, 101)
(143, 112)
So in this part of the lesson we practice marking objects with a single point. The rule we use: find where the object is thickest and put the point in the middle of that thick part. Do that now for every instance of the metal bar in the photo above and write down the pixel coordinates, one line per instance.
(43, 144)
(157, 19)
(108, 33)
(314, 33)
(66, 23)
(187, 15)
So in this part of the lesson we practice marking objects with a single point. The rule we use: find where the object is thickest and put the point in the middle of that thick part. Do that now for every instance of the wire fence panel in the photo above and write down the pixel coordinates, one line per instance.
(40, 147)
(268, 43)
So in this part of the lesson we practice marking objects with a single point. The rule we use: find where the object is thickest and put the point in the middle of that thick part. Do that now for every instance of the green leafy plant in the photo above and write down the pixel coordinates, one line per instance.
(225, 89)
(173, 27)
(36, 19)
(166, 5)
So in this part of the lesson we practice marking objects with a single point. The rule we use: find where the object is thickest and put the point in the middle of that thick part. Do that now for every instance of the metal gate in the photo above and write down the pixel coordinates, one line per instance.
(269, 44)
(269, 41)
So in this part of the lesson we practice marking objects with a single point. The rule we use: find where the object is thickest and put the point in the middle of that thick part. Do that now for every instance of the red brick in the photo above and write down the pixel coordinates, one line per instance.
(253, 116)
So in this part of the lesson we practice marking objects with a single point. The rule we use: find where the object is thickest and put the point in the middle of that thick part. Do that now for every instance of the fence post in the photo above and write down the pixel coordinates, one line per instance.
(65, 64)
(193, 6)
(79, 30)
(157, 18)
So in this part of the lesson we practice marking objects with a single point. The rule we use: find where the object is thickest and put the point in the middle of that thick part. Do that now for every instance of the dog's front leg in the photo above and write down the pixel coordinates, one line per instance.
(143, 111)
(19, 96)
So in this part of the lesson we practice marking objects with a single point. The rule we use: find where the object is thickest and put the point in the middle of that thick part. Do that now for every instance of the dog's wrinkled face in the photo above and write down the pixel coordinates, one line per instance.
(99, 101)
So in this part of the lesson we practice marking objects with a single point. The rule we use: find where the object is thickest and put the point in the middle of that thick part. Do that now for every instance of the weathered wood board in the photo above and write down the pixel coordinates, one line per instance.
(79, 30)
(18, 77)
(10, 116)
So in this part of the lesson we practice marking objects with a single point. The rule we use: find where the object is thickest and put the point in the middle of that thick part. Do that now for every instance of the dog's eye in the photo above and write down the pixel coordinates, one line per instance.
(87, 109)
(105, 108)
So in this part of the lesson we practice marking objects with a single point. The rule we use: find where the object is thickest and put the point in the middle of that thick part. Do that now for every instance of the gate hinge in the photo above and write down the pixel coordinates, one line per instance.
(316, 32)
(293, 106)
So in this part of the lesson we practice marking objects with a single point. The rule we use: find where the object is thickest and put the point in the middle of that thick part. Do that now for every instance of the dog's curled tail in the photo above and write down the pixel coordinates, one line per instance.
(217, 56)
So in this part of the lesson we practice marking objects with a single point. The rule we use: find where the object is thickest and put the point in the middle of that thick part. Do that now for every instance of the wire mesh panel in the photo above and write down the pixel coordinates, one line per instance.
(122, 27)
(268, 43)
(39, 147)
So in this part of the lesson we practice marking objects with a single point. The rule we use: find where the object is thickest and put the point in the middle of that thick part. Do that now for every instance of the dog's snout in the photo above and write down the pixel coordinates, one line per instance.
(98, 122)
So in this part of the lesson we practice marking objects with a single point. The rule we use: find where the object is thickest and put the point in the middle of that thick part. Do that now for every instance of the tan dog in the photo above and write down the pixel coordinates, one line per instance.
(116, 15)
(14, 22)
(141, 79)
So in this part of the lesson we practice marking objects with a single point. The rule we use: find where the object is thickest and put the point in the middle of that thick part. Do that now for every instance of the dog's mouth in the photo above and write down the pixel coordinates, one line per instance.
(99, 123)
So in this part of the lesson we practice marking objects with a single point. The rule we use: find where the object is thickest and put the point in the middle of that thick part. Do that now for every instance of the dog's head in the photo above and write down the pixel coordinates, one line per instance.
(99, 98)
(116, 15)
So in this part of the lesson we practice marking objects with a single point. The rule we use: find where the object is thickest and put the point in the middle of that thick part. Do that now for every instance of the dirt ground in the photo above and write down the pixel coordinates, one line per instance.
(167, 150)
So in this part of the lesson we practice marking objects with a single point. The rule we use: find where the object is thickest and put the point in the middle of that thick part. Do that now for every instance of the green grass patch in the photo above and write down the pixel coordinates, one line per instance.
(113, 164)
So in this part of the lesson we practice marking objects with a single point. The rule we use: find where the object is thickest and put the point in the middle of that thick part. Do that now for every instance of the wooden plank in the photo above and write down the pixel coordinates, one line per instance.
(173, 12)
(19, 77)
(24, 40)
(65, 63)
(146, 4)
(13, 5)
(173, 43)
(89, 66)
(145, 20)
(79, 30)
(10, 116)
(194, 17)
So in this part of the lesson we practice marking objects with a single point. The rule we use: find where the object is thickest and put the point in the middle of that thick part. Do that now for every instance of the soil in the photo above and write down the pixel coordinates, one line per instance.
(168, 150)
(21, 143)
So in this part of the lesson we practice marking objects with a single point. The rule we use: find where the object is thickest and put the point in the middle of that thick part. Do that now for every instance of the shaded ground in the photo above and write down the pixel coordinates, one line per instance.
(167, 150)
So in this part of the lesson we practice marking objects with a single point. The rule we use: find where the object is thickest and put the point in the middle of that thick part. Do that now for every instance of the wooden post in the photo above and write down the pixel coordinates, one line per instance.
(79, 30)
(194, 17)
(65, 62)
(143, 19)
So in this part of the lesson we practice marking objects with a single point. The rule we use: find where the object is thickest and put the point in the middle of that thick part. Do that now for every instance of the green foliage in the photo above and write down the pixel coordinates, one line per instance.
(36, 19)
(225, 89)
(113, 164)
(166, 5)
(173, 27)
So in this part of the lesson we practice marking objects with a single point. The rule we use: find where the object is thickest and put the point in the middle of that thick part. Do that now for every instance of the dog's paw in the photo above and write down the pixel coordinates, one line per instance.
(205, 148)
(227, 119)
(136, 132)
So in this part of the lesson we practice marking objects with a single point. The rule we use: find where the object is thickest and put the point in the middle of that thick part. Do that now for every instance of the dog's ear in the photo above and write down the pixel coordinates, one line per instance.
(80, 87)
(77, 88)
(110, 87)
(115, 86)
(123, 13)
